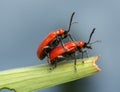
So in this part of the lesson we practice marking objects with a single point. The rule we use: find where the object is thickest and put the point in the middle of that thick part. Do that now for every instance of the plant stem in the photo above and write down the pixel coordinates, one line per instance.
(28, 79)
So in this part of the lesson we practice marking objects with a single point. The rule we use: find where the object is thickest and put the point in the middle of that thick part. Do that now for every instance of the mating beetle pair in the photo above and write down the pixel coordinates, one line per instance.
(52, 40)
(51, 47)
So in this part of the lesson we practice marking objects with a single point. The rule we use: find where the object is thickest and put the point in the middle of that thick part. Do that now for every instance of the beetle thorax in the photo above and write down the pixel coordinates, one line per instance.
(60, 31)
(81, 44)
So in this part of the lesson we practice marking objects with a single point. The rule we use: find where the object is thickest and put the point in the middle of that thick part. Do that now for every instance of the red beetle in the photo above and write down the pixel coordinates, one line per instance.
(72, 48)
(52, 40)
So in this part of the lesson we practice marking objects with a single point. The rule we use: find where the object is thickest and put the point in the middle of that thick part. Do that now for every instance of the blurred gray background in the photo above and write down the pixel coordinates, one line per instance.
(24, 23)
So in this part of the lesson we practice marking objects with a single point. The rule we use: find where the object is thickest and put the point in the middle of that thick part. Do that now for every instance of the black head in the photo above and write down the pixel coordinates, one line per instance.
(88, 44)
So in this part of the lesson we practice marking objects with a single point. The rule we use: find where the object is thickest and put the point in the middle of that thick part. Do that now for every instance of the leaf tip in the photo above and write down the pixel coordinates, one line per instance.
(94, 63)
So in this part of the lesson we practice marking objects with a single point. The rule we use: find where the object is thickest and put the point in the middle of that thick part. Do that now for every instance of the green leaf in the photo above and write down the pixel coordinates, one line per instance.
(28, 79)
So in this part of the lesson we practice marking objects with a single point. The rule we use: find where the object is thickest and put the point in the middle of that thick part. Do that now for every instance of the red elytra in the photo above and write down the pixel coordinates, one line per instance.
(50, 37)
(59, 50)
(52, 40)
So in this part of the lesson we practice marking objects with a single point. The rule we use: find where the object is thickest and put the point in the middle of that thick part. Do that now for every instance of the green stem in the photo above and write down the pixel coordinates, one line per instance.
(28, 79)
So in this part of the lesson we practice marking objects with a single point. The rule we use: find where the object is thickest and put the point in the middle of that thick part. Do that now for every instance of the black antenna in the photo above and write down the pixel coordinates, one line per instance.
(70, 21)
(91, 35)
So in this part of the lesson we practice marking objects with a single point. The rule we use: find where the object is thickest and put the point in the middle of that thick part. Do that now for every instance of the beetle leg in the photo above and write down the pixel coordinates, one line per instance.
(49, 62)
(46, 49)
(80, 50)
(86, 53)
(54, 63)
(47, 54)
(48, 59)
(63, 44)
(83, 55)
(71, 37)
(75, 61)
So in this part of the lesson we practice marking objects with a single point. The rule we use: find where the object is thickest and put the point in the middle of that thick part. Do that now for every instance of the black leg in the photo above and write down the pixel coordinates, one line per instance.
(63, 44)
(54, 63)
(86, 53)
(71, 37)
(82, 56)
(82, 52)
(48, 60)
(47, 54)
(75, 61)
